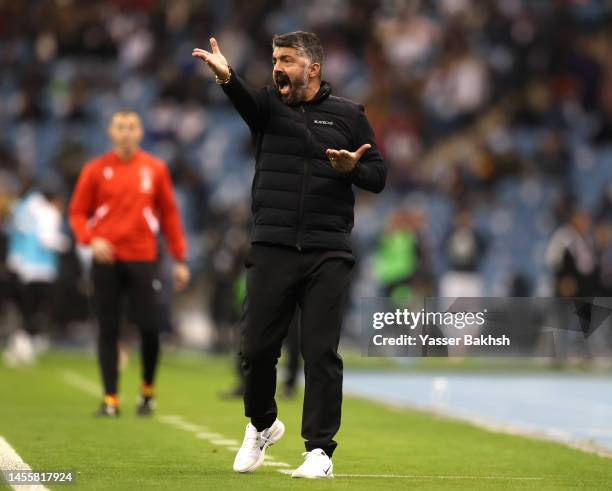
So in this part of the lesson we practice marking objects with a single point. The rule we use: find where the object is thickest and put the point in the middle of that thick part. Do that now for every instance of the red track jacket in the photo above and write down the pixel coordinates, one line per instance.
(125, 202)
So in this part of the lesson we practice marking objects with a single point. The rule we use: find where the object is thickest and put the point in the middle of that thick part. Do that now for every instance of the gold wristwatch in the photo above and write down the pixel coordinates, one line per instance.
(226, 81)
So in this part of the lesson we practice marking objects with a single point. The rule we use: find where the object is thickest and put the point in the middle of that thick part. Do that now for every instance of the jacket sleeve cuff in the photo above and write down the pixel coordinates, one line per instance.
(353, 174)
(179, 256)
(230, 83)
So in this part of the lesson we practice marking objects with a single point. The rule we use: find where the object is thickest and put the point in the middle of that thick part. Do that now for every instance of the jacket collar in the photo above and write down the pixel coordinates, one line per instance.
(323, 93)
(115, 159)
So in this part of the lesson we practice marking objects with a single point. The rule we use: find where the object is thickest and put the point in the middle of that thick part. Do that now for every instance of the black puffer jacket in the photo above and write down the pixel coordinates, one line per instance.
(298, 199)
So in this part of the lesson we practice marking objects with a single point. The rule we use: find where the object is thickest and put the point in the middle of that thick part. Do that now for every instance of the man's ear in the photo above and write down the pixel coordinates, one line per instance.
(314, 71)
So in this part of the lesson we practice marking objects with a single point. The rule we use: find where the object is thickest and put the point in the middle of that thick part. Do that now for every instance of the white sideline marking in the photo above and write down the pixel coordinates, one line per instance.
(205, 435)
(169, 418)
(181, 424)
(11, 461)
(502, 478)
(214, 438)
(82, 383)
(410, 476)
(190, 427)
(224, 442)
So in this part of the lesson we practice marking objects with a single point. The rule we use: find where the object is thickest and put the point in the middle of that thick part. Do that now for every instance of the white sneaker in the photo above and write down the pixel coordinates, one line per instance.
(317, 465)
(251, 454)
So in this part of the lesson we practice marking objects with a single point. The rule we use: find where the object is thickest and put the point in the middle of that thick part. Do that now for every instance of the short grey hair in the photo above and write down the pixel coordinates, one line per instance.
(307, 44)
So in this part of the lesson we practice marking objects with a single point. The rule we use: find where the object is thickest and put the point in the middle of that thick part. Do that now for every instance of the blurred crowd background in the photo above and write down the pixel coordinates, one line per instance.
(494, 116)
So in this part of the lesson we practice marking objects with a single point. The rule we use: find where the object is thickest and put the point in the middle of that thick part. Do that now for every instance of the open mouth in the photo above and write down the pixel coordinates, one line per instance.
(283, 83)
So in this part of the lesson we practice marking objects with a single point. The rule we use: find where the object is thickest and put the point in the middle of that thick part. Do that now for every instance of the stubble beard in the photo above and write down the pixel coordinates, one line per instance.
(298, 91)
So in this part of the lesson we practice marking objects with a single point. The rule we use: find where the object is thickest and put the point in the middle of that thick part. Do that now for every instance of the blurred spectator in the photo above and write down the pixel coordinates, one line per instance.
(571, 256)
(226, 265)
(464, 247)
(400, 261)
(35, 241)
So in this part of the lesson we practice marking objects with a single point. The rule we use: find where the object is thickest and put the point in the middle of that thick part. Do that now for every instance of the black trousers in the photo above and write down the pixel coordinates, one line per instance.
(35, 302)
(279, 279)
(292, 349)
(138, 283)
(293, 355)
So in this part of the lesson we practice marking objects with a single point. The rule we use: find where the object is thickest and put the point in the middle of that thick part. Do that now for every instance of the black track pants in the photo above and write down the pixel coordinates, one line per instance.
(138, 283)
(278, 279)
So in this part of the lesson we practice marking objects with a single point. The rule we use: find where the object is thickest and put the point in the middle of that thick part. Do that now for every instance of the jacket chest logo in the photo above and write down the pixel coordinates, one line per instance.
(146, 180)
(108, 173)
(323, 122)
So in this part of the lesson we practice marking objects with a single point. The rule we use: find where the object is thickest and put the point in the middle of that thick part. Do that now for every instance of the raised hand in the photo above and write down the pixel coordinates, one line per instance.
(345, 161)
(214, 59)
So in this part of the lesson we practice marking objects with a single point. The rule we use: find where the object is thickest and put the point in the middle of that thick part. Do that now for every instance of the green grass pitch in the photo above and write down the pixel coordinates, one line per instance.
(45, 415)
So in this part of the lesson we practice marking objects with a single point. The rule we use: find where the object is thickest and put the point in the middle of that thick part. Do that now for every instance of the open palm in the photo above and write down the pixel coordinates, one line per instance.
(345, 161)
(214, 59)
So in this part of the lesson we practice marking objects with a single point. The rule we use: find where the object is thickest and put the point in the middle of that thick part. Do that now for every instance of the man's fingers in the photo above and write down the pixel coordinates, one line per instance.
(181, 281)
(345, 154)
(214, 46)
(105, 258)
(332, 154)
(178, 283)
(362, 149)
(201, 53)
(108, 253)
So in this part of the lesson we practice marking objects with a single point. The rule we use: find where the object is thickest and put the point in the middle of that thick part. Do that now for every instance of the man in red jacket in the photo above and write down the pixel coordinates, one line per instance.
(121, 201)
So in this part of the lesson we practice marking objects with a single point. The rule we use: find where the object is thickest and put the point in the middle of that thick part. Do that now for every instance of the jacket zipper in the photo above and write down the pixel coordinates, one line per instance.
(305, 175)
